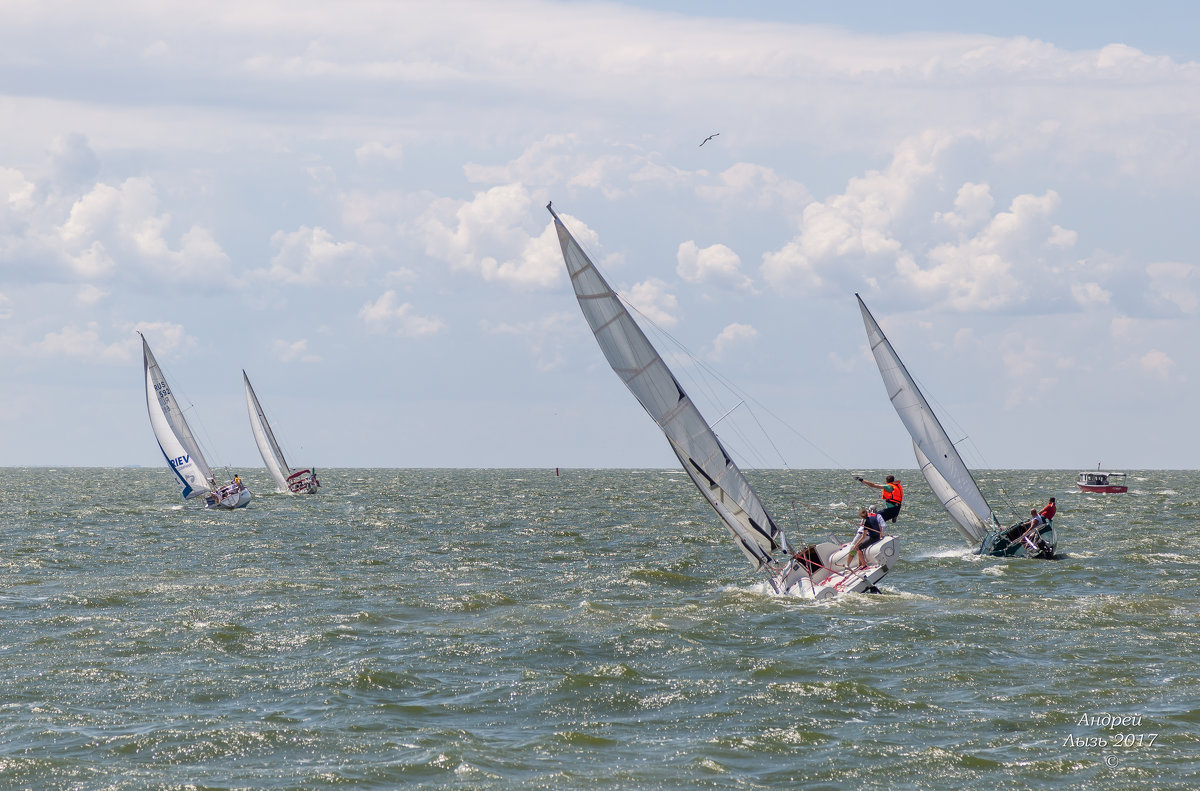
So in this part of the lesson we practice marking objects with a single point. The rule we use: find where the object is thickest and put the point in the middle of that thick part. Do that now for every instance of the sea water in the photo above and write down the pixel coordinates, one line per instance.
(494, 629)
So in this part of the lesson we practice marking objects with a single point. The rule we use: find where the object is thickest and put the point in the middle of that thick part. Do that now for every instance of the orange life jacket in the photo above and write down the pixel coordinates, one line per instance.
(896, 495)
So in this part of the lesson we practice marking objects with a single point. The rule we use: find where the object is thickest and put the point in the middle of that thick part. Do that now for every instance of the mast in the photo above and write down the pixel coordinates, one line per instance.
(634, 359)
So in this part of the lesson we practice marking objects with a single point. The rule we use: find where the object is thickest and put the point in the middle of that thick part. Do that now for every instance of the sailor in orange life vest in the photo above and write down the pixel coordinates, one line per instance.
(893, 495)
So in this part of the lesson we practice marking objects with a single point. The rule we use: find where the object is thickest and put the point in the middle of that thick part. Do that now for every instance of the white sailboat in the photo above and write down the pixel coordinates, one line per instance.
(810, 572)
(179, 447)
(286, 479)
(941, 464)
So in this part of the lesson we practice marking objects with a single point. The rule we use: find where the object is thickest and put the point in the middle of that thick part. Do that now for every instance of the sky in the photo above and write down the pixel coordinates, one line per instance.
(347, 201)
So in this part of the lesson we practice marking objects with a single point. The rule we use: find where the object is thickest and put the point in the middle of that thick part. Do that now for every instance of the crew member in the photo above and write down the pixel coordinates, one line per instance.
(1049, 511)
(870, 531)
(893, 495)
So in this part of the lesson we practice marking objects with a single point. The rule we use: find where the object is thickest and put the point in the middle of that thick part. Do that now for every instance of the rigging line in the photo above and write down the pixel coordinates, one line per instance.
(733, 387)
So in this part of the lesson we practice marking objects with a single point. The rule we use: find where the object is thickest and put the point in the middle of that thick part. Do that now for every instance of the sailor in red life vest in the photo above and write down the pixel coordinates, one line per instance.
(1049, 511)
(893, 495)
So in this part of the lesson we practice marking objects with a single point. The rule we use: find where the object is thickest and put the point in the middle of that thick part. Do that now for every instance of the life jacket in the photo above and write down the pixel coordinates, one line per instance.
(896, 495)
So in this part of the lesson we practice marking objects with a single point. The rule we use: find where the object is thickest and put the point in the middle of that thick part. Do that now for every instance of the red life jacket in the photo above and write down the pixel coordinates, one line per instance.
(896, 495)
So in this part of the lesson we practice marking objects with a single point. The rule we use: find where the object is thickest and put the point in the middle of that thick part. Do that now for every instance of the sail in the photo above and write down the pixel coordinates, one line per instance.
(933, 446)
(967, 521)
(643, 371)
(272, 455)
(174, 437)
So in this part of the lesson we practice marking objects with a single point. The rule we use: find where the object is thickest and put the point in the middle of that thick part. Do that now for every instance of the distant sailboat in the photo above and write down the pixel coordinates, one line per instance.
(941, 464)
(812, 571)
(179, 447)
(288, 480)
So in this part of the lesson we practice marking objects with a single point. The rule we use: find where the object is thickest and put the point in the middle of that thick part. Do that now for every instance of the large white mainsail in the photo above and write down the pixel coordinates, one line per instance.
(272, 454)
(171, 430)
(940, 463)
(635, 360)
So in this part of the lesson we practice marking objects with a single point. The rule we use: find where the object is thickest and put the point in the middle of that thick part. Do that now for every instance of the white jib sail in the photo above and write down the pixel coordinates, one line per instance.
(929, 438)
(272, 455)
(171, 430)
(643, 371)
(966, 520)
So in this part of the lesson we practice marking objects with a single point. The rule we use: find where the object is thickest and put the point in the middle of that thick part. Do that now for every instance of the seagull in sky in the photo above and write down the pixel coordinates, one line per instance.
(710, 137)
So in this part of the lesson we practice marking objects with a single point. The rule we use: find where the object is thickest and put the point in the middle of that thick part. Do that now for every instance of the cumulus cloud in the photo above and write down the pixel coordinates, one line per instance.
(388, 315)
(873, 235)
(123, 224)
(293, 351)
(544, 337)
(1174, 285)
(717, 265)
(757, 186)
(468, 235)
(651, 299)
(1156, 364)
(731, 337)
(376, 153)
(311, 257)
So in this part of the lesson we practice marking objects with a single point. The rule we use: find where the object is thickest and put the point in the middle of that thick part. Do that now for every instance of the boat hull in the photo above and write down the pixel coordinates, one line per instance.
(1105, 489)
(823, 570)
(303, 482)
(1007, 543)
(229, 502)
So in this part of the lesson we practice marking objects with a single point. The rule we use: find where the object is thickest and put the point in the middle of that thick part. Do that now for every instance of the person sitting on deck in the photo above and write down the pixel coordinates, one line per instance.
(892, 493)
(870, 531)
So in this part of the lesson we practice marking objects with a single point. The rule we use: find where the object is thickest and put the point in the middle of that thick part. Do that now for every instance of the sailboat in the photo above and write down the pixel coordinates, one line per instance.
(943, 467)
(816, 571)
(179, 447)
(287, 479)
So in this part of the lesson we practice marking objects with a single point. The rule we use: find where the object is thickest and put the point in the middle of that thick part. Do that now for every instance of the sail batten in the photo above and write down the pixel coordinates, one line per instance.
(636, 362)
(936, 454)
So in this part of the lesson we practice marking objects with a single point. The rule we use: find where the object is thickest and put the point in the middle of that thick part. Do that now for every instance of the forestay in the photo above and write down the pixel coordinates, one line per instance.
(171, 430)
(940, 463)
(272, 454)
(643, 371)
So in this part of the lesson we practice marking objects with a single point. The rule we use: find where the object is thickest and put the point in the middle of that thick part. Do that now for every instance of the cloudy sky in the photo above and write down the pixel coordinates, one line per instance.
(347, 201)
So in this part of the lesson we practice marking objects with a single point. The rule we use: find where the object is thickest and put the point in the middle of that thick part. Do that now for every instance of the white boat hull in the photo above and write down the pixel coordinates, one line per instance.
(827, 569)
(231, 501)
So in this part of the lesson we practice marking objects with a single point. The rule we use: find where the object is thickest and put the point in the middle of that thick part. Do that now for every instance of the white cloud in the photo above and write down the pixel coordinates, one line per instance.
(311, 257)
(295, 350)
(1156, 364)
(651, 299)
(544, 337)
(758, 186)
(731, 337)
(375, 153)
(112, 226)
(469, 235)
(972, 208)
(1174, 284)
(89, 294)
(1090, 295)
(5, 307)
(385, 315)
(716, 264)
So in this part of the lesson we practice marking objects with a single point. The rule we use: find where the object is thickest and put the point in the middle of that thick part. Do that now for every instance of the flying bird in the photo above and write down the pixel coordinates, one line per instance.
(710, 137)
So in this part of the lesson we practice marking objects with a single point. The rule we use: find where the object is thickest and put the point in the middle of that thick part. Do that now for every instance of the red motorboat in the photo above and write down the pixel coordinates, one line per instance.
(1102, 482)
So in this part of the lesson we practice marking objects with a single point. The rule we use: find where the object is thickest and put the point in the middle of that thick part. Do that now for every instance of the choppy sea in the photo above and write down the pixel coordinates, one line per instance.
(496, 629)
